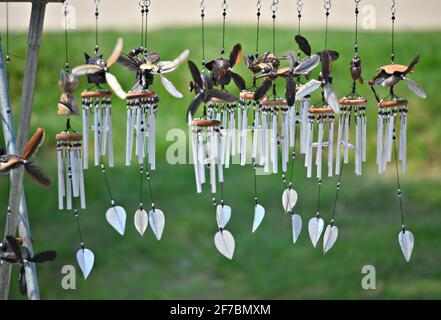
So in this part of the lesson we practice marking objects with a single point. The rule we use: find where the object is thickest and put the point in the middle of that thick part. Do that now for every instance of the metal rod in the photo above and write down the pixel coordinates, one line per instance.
(15, 195)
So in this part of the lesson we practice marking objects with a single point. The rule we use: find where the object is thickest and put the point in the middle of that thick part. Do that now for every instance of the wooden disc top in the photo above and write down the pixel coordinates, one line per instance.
(68, 137)
(272, 102)
(320, 110)
(217, 100)
(247, 95)
(141, 95)
(352, 102)
(392, 103)
(96, 94)
(205, 123)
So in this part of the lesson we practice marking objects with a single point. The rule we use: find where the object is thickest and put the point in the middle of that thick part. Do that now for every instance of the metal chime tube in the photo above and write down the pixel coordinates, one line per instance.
(139, 146)
(239, 130)
(318, 159)
(363, 133)
(233, 132)
(61, 183)
(256, 131)
(244, 134)
(274, 153)
(194, 149)
(96, 132)
(152, 136)
(403, 138)
(212, 150)
(339, 140)
(228, 139)
(110, 136)
(265, 145)
(346, 119)
(68, 185)
(331, 145)
(129, 133)
(304, 106)
(379, 140)
(357, 141)
(309, 142)
(220, 162)
(86, 103)
(285, 137)
(201, 156)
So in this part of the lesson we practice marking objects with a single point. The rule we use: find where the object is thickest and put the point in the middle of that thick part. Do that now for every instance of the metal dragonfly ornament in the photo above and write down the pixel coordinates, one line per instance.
(9, 162)
(17, 254)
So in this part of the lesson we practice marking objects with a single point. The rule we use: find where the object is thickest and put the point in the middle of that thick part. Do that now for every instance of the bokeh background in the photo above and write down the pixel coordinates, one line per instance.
(185, 263)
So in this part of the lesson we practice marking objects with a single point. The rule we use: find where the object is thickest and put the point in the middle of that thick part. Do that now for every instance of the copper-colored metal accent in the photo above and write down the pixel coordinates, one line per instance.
(270, 102)
(392, 103)
(205, 123)
(391, 68)
(320, 110)
(20, 240)
(140, 95)
(352, 102)
(217, 100)
(247, 95)
(96, 94)
(68, 137)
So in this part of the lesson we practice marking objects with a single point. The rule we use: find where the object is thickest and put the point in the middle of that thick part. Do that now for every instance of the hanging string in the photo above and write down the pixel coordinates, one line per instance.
(319, 182)
(142, 5)
(255, 180)
(393, 11)
(327, 7)
(274, 6)
(66, 11)
(8, 57)
(259, 6)
(357, 2)
(146, 9)
(202, 6)
(224, 15)
(399, 193)
(299, 17)
(96, 25)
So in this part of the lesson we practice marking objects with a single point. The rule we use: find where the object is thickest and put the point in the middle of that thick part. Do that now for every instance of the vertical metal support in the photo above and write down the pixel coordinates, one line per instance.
(16, 199)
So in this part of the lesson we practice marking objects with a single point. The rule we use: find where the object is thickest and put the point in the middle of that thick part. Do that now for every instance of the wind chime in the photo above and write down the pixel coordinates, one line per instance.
(97, 100)
(211, 145)
(351, 104)
(389, 109)
(321, 117)
(69, 155)
(142, 106)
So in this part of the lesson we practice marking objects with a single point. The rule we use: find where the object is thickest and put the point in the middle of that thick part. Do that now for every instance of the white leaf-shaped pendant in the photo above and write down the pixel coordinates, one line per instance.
(85, 260)
(157, 222)
(116, 217)
(315, 228)
(289, 199)
(141, 221)
(406, 240)
(329, 238)
(224, 242)
(223, 215)
(296, 226)
(259, 213)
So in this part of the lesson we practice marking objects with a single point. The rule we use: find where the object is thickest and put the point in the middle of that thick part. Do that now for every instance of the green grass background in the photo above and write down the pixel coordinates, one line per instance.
(185, 263)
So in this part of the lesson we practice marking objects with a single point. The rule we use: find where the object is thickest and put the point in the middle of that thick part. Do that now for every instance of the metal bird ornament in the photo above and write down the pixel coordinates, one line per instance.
(389, 75)
(67, 106)
(17, 254)
(355, 68)
(202, 85)
(147, 65)
(97, 70)
(222, 69)
(12, 161)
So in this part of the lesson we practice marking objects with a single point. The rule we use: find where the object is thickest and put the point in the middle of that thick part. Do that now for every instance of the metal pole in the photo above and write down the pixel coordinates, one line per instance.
(15, 196)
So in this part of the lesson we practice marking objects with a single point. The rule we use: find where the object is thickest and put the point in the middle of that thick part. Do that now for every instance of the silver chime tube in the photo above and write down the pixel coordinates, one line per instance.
(309, 142)
(274, 153)
(81, 178)
(74, 172)
(239, 130)
(265, 144)
(220, 163)
(403, 138)
(357, 146)
(331, 146)
(61, 184)
(201, 156)
(96, 132)
(129, 135)
(243, 153)
(68, 180)
(110, 138)
(346, 118)
(228, 138)
(233, 132)
(318, 159)
(145, 128)
(194, 149)
(256, 124)
(152, 137)
(379, 140)
(285, 138)
(339, 144)
(138, 148)
(304, 106)
(363, 134)
(212, 150)
(104, 128)
(85, 119)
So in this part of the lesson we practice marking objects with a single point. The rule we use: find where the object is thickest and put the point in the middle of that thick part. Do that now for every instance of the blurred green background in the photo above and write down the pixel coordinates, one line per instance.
(185, 263)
